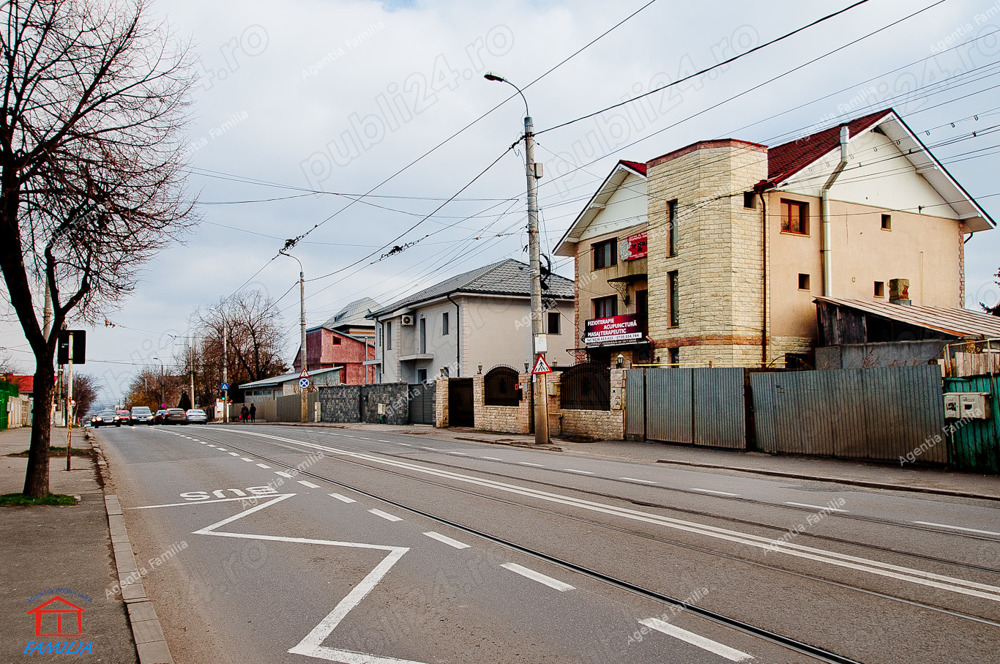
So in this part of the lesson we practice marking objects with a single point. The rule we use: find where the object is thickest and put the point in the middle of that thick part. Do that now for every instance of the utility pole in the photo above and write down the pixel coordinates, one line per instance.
(533, 171)
(69, 404)
(191, 368)
(225, 373)
(303, 355)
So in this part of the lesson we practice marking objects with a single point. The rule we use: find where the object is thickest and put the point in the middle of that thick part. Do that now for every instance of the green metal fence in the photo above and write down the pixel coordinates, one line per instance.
(7, 391)
(975, 444)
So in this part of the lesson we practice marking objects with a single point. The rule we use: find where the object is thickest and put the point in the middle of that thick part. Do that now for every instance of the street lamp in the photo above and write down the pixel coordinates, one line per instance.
(302, 313)
(162, 403)
(533, 171)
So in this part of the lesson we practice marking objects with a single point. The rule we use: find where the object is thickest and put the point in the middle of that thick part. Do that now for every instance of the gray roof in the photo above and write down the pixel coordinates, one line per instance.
(960, 323)
(506, 277)
(353, 314)
(274, 381)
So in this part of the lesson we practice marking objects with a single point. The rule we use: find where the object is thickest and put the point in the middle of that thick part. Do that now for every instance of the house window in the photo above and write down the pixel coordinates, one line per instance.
(423, 335)
(606, 307)
(673, 299)
(672, 228)
(749, 199)
(605, 254)
(444, 324)
(642, 303)
(553, 327)
(674, 357)
(804, 282)
(421, 375)
(336, 341)
(794, 217)
(388, 336)
(879, 289)
(887, 222)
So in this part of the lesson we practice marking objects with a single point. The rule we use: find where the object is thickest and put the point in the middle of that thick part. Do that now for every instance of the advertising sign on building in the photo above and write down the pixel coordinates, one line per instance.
(614, 329)
(633, 247)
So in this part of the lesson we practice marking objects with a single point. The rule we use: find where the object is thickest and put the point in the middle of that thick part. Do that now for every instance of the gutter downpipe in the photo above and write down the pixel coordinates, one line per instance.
(458, 335)
(763, 304)
(825, 242)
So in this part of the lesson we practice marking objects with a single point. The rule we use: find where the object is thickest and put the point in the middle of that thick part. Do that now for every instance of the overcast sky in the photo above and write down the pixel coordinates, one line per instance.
(305, 103)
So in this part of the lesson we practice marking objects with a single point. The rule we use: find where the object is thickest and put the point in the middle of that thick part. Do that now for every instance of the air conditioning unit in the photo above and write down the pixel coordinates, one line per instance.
(406, 319)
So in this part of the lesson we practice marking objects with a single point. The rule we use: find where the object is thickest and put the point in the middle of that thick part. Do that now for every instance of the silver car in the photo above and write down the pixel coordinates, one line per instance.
(141, 415)
(196, 416)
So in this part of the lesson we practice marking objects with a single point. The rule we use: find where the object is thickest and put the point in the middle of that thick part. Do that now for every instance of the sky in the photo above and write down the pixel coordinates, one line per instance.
(304, 106)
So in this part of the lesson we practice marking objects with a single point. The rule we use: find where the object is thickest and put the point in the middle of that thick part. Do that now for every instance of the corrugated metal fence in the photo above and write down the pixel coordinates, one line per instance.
(975, 444)
(882, 414)
(699, 406)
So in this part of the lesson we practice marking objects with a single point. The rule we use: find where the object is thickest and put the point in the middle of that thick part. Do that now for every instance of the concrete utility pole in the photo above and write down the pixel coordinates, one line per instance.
(191, 367)
(533, 171)
(303, 362)
(225, 373)
(69, 405)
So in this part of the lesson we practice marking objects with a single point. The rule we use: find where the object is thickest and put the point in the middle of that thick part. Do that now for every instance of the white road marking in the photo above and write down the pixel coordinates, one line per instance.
(538, 576)
(430, 449)
(578, 472)
(718, 493)
(528, 463)
(312, 644)
(697, 640)
(908, 574)
(447, 540)
(203, 442)
(385, 515)
(308, 484)
(405, 444)
(377, 440)
(343, 499)
(460, 453)
(491, 458)
(234, 454)
(263, 465)
(283, 474)
(247, 459)
(212, 446)
(815, 507)
(633, 479)
(221, 449)
(969, 530)
(203, 502)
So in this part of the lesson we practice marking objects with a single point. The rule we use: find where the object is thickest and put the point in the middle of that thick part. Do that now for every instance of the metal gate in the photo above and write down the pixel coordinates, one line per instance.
(699, 406)
(460, 406)
(883, 413)
(421, 403)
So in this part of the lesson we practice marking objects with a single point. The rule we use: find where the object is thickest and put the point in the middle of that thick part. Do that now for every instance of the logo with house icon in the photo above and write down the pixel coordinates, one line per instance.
(59, 614)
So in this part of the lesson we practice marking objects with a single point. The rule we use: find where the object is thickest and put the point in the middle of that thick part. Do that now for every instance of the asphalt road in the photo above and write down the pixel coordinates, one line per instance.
(275, 544)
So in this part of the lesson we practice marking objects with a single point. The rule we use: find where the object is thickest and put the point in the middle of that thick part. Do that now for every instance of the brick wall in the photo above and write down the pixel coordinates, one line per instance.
(589, 424)
(502, 419)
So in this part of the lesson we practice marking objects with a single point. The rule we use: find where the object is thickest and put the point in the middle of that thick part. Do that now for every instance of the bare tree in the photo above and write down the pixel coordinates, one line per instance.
(254, 339)
(153, 386)
(84, 394)
(91, 156)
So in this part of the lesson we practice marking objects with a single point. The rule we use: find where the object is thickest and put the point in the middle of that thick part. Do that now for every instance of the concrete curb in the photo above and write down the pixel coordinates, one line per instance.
(147, 633)
(837, 480)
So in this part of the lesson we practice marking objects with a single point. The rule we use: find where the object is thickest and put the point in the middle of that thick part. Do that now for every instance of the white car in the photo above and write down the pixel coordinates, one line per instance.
(196, 416)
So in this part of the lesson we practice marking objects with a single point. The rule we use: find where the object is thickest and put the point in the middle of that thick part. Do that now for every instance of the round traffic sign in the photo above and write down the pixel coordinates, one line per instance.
(303, 382)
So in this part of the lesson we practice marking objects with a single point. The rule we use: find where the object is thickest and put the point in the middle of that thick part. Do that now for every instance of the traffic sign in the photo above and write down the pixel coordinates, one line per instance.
(304, 374)
(303, 383)
(541, 366)
(224, 387)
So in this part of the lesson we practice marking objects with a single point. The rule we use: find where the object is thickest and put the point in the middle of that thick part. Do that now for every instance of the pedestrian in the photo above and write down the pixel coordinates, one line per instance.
(244, 413)
(253, 413)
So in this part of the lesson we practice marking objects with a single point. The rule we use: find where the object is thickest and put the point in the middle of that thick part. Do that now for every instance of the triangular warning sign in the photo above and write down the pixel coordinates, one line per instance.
(541, 366)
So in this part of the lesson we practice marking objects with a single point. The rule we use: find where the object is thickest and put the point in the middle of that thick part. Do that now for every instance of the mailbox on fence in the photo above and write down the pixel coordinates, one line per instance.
(967, 405)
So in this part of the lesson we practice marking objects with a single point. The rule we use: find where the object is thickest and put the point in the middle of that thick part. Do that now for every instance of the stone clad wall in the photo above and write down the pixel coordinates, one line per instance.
(441, 402)
(590, 424)
(395, 397)
(340, 403)
(502, 419)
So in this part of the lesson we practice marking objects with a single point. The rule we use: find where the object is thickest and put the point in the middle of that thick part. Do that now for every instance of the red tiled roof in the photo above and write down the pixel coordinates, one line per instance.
(783, 161)
(634, 165)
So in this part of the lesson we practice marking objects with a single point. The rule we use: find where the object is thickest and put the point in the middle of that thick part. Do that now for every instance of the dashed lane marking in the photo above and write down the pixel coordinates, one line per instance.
(343, 499)
(385, 515)
(263, 465)
(815, 507)
(282, 474)
(447, 540)
(968, 530)
(578, 472)
(724, 651)
(234, 454)
(247, 459)
(538, 576)
(491, 458)
(635, 479)
(717, 493)
(528, 463)
(308, 484)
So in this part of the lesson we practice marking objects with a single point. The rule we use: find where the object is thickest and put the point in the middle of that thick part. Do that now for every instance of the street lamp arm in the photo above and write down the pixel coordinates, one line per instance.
(490, 76)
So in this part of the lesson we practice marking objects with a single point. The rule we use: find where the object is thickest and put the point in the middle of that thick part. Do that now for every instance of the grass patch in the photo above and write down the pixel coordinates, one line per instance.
(58, 452)
(18, 499)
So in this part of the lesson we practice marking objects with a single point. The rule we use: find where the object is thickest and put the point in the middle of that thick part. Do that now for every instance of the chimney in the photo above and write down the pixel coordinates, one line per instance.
(899, 291)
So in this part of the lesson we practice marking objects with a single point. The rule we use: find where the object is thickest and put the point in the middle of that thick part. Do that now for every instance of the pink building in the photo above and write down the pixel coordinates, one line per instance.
(347, 340)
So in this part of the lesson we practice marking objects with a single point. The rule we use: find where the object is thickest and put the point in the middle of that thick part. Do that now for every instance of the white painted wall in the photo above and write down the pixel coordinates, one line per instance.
(626, 207)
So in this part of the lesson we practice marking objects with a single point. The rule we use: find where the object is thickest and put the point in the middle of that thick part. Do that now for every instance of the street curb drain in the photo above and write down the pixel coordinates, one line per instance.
(150, 643)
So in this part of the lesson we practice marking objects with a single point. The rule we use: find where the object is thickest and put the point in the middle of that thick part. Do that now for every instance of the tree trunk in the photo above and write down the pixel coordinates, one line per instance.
(36, 479)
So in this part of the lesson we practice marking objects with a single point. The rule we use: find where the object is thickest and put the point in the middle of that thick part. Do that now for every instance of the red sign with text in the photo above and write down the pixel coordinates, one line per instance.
(635, 246)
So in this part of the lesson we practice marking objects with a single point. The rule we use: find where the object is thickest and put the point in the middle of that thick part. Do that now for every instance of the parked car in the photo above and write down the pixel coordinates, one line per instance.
(141, 415)
(160, 417)
(103, 418)
(122, 416)
(175, 416)
(196, 416)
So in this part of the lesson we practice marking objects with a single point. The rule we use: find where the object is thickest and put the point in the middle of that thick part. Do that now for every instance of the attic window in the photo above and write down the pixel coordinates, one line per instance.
(887, 222)
(880, 289)
(336, 341)
(749, 199)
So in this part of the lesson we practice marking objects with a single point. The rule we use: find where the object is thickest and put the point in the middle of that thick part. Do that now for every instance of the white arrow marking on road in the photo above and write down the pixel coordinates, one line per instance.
(731, 654)
(908, 574)
(312, 644)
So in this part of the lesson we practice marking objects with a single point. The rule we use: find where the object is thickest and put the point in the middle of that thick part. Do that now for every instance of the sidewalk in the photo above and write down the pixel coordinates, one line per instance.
(872, 475)
(65, 552)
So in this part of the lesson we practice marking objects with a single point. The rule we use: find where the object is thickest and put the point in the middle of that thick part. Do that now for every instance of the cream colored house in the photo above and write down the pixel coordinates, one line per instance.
(714, 253)
(480, 317)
